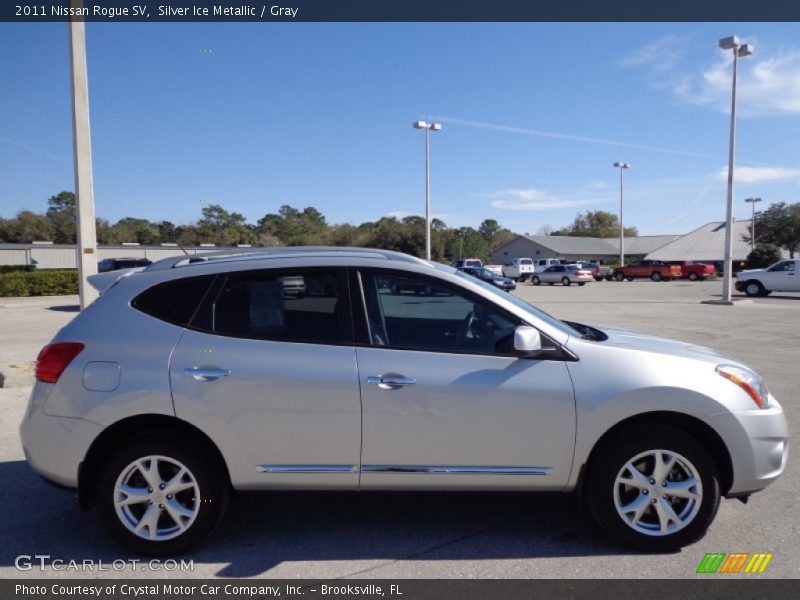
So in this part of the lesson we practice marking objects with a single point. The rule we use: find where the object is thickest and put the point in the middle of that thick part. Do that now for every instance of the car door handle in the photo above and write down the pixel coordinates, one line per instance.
(388, 382)
(206, 373)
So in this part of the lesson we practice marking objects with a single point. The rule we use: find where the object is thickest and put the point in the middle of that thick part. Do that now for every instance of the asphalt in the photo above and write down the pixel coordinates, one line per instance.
(392, 535)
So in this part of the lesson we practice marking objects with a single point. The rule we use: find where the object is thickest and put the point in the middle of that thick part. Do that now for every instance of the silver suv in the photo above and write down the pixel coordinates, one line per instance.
(193, 378)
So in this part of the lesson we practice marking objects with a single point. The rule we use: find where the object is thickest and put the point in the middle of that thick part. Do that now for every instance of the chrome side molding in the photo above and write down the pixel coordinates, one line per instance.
(307, 468)
(456, 470)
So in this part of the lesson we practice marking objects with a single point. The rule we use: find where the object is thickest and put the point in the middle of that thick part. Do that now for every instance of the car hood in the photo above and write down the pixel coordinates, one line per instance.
(748, 272)
(634, 340)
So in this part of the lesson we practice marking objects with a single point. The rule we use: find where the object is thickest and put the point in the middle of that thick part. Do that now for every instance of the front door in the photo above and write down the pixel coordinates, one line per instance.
(268, 370)
(445, 404)
(783, 277)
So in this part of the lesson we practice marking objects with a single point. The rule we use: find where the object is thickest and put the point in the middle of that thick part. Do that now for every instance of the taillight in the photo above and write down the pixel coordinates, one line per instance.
(54, 358)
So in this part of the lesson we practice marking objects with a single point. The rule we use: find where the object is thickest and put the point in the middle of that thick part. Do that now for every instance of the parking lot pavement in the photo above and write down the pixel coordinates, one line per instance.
(327, 536)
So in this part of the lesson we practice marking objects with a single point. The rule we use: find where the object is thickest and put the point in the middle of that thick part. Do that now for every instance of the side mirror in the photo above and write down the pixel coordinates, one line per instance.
(527, 341)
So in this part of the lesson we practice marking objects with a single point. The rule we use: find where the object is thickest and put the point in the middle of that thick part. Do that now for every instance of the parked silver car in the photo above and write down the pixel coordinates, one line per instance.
(192, 378)
(563, 274)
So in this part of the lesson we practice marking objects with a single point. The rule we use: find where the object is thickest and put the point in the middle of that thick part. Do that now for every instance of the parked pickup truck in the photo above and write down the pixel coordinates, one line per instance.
(694, 271)
(654, 269)
(518, 269)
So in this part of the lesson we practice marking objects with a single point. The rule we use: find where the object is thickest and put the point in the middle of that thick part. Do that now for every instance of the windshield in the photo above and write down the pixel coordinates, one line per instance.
(526, 261)
(538, 313)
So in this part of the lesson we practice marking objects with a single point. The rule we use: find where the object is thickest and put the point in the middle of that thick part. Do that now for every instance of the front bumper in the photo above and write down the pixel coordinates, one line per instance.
(758, 442)
(55, 446)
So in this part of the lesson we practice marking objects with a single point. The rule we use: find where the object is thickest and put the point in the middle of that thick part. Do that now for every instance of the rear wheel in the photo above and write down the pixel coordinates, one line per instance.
(754, 288)
(582, 283)
(565, 281)
(161, 497)
(656, 276)
(655, 490)
(598, 278)
(619, 276)
(693, 277)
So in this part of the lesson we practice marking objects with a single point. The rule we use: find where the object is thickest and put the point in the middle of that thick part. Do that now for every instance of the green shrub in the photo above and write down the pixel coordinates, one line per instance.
(13, 284)
(764, 255)
(39, 283)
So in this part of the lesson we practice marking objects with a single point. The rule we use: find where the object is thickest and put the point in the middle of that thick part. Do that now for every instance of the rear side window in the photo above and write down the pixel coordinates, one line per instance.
(174, 301)
(307, 306)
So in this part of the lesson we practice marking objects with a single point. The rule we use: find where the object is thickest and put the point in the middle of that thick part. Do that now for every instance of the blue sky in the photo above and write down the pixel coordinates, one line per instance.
(253, 116)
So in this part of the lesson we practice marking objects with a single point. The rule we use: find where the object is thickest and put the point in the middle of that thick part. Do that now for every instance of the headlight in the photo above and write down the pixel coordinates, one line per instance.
(749, 381)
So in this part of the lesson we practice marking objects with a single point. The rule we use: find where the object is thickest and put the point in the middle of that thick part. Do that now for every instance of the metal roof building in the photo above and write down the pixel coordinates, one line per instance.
(706, 244)
(569, 247)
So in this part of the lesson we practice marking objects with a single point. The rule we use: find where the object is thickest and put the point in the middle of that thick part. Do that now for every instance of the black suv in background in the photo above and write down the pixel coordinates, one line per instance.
(115, 264)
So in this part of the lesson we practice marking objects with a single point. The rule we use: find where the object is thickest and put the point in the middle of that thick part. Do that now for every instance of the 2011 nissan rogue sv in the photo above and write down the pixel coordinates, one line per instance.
(198, 376)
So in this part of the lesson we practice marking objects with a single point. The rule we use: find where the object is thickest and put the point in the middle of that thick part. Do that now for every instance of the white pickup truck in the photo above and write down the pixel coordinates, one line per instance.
(783, 276)
(518, 269)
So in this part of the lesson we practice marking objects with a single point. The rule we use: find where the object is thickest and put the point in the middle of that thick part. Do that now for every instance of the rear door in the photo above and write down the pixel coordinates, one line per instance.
(268, 370)
(446, 405)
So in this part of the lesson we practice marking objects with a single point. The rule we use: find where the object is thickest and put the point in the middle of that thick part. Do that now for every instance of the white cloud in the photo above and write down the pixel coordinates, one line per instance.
(532, 199)
(660, 55)
(768, 82)
(398, 214)
(759, 174)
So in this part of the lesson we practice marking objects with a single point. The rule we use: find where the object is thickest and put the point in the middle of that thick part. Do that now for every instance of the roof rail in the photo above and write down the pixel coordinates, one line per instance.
(280, 252)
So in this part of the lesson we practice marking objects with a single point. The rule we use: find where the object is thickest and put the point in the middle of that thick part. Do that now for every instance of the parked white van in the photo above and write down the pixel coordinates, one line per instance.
(544, 263)
(518, 269)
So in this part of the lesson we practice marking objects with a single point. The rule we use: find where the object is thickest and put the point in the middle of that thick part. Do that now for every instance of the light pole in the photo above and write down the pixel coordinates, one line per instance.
(621, 166)
(753, 201)
(739, 50)
(427, 127)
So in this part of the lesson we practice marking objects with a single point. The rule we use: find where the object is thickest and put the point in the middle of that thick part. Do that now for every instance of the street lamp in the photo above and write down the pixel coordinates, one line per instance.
(739, 50)
(427, 127)
(621, 166)
(753, 201)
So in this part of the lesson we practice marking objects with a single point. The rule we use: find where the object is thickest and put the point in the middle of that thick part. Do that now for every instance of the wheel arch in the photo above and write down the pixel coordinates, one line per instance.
(130, 428)
(698, 429)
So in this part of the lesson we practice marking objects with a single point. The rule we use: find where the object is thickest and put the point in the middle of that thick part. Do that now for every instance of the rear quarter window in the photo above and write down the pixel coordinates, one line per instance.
(174, 301)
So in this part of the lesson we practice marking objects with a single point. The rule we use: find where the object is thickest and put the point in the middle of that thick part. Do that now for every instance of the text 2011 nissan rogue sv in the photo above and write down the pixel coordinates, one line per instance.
(197, 377)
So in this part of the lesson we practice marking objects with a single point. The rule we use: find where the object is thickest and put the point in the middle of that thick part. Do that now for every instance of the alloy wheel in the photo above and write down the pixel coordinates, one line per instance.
(157, 498)
(658, 492)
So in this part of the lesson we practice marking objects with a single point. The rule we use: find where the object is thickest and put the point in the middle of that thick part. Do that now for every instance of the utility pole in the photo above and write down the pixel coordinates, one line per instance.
(84, 186)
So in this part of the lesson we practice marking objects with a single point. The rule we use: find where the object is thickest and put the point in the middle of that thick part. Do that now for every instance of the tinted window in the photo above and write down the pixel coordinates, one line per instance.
(413, 313)
(787, 265)
(174, 301)
(526, 261)
(308, 306)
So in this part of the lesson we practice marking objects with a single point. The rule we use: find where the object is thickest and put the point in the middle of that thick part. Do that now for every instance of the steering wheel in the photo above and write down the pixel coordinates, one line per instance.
(466, 328)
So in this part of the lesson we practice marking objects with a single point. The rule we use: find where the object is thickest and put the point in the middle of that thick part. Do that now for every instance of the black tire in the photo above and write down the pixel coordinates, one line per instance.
(211, 481)
(609, 277)
(693, 277)
(629, 278)
(549, 283)
(565, 281)
(619, 276)
(582, 283)
(605, 467)
(754, 288)
(656, 276)
(536, 281)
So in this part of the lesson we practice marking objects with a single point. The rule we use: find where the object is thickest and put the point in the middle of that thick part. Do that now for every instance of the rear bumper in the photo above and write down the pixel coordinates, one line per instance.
(55, 446)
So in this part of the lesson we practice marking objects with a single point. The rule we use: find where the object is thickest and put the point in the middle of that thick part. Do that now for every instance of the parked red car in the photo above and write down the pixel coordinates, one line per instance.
(654, 269)
(694, 271)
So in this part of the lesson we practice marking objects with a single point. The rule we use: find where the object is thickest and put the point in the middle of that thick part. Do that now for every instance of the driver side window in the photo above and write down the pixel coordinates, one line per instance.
(411, 313)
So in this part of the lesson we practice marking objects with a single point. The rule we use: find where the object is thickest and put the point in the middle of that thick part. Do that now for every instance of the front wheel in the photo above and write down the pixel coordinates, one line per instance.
(693, 277)
(655, 490)
(656, 276)
(619, 276)
(536, 281)
(582, 283)
(565, 281)
(161, 497)
(754, 288)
